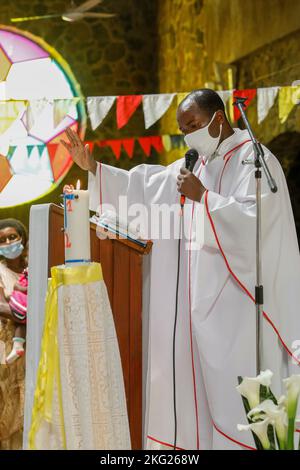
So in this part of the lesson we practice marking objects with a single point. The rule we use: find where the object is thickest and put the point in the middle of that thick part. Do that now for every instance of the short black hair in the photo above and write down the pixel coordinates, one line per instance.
(16, 224)
(206, 99)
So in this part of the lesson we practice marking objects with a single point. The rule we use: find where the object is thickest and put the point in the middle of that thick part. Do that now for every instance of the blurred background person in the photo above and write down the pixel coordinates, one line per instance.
(13, 253)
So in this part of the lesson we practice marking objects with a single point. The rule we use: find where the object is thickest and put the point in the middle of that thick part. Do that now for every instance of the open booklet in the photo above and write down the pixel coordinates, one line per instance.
(109, 220)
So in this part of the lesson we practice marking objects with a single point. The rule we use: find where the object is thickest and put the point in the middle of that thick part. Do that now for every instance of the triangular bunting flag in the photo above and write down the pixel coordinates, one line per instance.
(156, 142)
(29, 150)
(166, 140)
(10, 152)
(155, 106)
(33, 112)
(128, 145)
(288, 98)
(126, 106)
(98, 108)
(265, 100)
(225, 95)
(249, 94)
(61, 109)
(10, 111)
(177, 141)
(41, 148)
(115, 145)
(100, 143)
(145, 143)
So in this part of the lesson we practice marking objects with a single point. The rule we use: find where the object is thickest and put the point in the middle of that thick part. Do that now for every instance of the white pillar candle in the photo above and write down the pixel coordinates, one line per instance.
(77, 225)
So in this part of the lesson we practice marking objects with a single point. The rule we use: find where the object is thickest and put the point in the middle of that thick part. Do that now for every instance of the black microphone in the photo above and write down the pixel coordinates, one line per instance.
(191, 157)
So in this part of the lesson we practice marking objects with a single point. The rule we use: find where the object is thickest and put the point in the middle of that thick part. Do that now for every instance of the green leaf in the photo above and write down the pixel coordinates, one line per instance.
(265, 393)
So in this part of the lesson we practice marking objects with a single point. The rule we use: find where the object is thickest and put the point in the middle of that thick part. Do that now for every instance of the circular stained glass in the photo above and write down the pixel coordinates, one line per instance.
(39, 99)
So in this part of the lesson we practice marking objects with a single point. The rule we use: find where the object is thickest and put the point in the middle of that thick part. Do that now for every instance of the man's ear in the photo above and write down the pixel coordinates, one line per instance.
(221, 118)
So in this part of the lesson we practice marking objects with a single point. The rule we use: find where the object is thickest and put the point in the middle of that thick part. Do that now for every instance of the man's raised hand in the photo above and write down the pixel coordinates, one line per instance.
(79, 152)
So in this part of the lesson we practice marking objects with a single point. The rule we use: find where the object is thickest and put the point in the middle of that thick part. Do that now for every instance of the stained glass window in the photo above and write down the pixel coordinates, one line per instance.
(32, 77)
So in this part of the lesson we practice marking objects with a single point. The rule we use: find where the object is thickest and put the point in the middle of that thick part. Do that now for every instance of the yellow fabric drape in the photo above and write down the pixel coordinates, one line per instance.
(48, 376)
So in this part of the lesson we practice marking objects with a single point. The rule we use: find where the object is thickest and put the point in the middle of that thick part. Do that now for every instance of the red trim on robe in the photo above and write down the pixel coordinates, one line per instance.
(240, 283)
(233, 440)
(164, 443)
(217, 429)
(227, 157)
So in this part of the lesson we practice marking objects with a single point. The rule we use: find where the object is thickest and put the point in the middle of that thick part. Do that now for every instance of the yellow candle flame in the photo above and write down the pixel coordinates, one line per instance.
(78, 185)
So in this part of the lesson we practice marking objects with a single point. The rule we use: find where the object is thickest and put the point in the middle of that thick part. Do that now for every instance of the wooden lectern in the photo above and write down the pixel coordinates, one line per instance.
(121, 262)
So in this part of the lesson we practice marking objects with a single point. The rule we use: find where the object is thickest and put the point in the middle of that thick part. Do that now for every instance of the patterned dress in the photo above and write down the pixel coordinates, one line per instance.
(11, 376)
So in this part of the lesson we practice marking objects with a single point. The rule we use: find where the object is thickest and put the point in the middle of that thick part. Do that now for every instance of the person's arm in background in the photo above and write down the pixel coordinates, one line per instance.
(5, 311)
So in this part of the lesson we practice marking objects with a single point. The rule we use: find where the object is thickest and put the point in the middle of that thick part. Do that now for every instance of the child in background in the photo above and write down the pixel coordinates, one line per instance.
(18, 306)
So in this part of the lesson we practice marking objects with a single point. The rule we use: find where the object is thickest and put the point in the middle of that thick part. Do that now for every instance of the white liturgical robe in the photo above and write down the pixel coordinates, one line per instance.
(216, 326)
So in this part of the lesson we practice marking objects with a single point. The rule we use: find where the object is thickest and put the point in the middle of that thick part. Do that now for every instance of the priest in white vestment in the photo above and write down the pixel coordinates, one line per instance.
(216, 325)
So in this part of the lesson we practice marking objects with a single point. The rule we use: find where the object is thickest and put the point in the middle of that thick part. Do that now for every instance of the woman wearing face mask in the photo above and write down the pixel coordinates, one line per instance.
(13, 240)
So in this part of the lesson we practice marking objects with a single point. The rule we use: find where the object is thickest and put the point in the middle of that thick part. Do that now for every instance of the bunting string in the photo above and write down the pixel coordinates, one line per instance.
(153, 107)
(157, 142)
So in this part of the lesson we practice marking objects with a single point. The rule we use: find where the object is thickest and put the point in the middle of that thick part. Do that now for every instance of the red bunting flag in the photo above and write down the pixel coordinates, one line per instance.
(126, 106)
(145, 143)
(115, 145)
(100, 143)
(157, 143)
(128, 145)
(249, 94)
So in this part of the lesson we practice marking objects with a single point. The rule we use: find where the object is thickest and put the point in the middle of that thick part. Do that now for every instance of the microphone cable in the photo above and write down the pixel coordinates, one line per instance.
(174, 331)
(191, 157)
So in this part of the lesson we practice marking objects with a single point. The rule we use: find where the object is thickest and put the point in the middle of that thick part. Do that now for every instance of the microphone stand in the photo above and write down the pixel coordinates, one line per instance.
(259, 163)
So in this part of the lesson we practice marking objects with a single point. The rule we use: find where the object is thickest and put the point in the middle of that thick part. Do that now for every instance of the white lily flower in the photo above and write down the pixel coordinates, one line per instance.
(250, 387)
(260, 429)
(293, 390)
(265, 378)
(277, 414)
(282, 401)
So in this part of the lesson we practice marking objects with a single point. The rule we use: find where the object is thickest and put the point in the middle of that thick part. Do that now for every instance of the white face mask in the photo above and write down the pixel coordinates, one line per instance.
(202, 141)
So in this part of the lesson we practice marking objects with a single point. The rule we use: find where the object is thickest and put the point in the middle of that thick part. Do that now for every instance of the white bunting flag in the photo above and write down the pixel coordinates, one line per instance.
(61, 108)
(155, 106)
(265, 100)
(33, 112)
(98, 108)
(225, 95)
